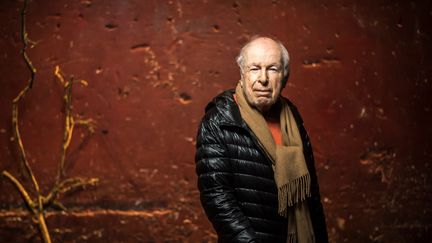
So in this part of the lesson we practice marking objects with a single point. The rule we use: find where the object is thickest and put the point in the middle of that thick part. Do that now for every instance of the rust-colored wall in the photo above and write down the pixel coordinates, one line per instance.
(361, 76)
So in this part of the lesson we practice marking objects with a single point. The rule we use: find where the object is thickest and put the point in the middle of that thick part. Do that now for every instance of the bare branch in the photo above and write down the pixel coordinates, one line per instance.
(26, 40)
(29, 202)
(15, 110)
(89, 123)
(66, 186)
(38, 205)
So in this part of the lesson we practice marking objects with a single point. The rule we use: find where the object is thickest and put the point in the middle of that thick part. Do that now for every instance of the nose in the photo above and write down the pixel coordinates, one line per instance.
(263, 77)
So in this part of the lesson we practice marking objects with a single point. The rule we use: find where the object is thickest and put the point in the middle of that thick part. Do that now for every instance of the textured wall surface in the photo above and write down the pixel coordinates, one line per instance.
(361, 76)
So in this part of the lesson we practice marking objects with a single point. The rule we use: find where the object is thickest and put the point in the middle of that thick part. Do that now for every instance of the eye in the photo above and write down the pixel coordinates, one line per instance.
(274, 69)
(253, 69)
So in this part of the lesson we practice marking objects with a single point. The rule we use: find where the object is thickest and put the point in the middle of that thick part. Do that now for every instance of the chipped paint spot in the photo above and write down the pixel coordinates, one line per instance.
(321, 62)
(381, 162)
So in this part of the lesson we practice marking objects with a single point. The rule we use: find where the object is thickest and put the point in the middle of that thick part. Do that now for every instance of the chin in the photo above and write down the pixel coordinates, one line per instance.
(264, 105)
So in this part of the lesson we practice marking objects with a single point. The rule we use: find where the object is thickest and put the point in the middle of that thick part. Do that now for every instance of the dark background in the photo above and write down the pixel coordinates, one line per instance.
(361, 77)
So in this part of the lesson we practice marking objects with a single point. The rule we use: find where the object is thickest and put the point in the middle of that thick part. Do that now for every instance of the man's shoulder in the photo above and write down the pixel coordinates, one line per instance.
(220, 100)
(221, 108)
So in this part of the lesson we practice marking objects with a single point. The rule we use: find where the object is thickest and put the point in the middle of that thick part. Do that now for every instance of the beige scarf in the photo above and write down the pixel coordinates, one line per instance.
(290, 171)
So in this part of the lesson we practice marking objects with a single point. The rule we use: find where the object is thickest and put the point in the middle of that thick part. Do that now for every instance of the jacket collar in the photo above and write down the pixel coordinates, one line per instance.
(227, 109)
(230, 113)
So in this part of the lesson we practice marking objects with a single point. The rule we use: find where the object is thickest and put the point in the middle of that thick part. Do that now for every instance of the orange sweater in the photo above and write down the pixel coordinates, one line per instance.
(274, 127)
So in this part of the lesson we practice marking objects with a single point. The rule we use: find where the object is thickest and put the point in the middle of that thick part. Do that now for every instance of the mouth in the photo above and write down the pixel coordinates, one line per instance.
(262, 92)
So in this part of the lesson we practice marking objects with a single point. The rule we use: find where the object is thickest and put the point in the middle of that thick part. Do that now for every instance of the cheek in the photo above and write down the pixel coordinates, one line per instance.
(277, 87)
(246, 85)
(253, 76)
(276, 82)
(249, 82)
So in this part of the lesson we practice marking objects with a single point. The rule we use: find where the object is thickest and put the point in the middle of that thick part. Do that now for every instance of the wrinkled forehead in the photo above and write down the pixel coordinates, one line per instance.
(263, 51)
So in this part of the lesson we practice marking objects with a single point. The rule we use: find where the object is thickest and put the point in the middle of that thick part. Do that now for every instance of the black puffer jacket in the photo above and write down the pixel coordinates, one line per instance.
(235, 178)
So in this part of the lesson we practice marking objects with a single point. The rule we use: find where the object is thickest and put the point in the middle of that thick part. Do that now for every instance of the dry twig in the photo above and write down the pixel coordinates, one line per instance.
(37, 204)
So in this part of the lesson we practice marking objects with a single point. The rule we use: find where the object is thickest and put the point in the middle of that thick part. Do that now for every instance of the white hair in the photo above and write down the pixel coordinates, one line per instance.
(285, 57)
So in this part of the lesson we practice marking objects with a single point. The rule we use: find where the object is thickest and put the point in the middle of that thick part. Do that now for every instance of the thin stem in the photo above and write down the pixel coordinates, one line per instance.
(26, 40)
(68, 128)
(43, 227)
(21, 189)
(15, 109)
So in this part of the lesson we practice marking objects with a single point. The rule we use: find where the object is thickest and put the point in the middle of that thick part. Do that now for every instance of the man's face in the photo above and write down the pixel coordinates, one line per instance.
(262, 74)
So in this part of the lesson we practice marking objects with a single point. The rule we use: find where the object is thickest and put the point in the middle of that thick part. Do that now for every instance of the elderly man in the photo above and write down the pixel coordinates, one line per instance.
(254, 160)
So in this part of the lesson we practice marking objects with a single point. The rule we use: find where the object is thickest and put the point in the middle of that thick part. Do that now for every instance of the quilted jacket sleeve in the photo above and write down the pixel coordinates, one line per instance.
(214, 183)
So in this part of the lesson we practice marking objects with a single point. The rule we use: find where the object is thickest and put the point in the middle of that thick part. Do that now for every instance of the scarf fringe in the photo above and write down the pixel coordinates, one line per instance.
(293, 192)
(292, 238)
